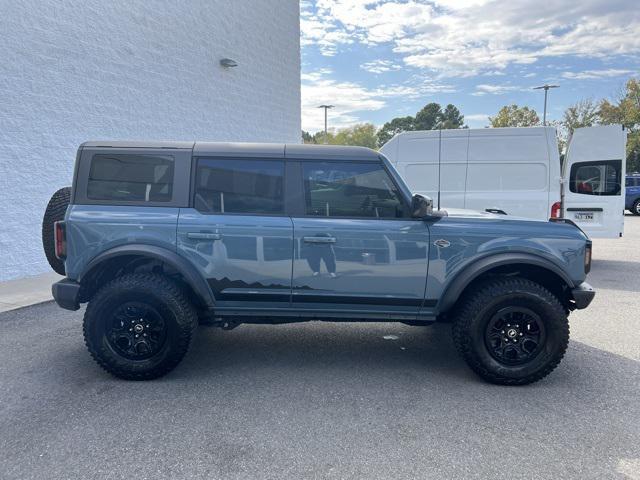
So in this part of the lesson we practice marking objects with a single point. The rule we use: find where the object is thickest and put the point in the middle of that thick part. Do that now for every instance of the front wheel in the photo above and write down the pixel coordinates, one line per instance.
(635, 208)
(139, 326)
(511, 331)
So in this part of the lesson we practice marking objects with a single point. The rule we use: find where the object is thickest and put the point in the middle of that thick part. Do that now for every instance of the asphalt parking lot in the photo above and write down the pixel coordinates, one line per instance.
(322, 400)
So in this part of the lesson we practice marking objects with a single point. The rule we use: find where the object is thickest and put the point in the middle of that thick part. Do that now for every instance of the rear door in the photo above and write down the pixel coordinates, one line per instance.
(594, 172)
(237, 233)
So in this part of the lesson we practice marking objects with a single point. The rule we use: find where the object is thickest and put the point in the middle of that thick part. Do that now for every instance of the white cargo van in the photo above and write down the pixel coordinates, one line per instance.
(517, 171)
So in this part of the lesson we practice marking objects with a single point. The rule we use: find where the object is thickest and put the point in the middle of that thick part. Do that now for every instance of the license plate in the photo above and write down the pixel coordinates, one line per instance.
(584, 216)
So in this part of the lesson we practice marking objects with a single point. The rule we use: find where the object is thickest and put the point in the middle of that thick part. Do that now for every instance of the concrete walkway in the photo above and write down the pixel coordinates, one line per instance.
(26, 291)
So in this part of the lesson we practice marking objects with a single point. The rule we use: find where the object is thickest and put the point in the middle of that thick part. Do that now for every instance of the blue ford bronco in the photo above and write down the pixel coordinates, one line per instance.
(160, 237)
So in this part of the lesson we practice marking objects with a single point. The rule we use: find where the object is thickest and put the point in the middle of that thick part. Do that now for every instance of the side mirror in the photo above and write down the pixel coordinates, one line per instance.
(421, 206)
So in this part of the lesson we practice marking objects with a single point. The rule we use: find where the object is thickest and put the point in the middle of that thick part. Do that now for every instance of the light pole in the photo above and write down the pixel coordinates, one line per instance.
(326, 107)
(546, 90)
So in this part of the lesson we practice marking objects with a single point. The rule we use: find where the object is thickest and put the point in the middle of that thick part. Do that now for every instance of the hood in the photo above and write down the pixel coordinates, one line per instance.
(466, 213)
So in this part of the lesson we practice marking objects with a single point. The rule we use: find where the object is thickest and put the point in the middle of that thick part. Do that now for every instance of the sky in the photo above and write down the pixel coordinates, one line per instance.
(376, 60)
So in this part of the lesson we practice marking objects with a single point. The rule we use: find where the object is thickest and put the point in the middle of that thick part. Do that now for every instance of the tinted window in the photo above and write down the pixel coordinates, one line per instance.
(596, 178)
(632, 182)
(131, 178)
(239, 186)
(346, 189)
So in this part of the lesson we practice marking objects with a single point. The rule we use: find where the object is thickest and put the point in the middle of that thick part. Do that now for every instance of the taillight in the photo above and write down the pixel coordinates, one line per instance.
(587, 257)
(555, 210)
(60, 239)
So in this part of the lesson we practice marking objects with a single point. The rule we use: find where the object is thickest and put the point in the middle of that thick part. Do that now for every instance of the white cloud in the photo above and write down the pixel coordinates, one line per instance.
(351, 99)
(485, 89)
(477, 120)
(595, 74)
(469, 37)
(380, 66)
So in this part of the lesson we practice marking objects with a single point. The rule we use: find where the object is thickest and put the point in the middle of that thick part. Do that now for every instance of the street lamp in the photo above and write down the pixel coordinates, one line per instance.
(326, 107)
(546, 90)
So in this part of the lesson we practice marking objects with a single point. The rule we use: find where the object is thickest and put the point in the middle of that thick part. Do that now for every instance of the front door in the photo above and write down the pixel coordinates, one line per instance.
(355, 246)
(594, 197)
(237, 232)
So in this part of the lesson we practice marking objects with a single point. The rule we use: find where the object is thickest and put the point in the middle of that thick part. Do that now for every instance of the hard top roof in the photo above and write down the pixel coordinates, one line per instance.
(241, 149)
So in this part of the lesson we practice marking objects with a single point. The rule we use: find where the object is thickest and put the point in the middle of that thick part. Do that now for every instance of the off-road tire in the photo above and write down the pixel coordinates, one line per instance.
(163, 295)
(475, 311)
(635, 208)
(56, 208)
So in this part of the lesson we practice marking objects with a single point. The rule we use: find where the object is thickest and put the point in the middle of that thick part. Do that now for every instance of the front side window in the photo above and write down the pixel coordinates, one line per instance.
(131, 178)
(596, 178)
(240, 186)
(350, 189)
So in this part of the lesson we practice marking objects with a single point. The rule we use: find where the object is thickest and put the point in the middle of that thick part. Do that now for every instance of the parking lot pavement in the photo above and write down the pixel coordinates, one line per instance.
(322, 400)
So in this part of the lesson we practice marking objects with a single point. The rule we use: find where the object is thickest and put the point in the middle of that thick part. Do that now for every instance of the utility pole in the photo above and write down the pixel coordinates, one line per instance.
(326, 107)
(546, 91)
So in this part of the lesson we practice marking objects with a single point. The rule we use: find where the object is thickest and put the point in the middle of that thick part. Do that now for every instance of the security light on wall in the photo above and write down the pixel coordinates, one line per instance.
(228, 63)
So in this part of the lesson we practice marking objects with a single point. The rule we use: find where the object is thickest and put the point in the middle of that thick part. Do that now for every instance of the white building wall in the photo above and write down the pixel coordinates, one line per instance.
(142, 70)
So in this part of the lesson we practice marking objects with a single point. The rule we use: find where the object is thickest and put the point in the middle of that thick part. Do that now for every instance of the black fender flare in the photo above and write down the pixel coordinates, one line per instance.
(468, 274)
(191, 275)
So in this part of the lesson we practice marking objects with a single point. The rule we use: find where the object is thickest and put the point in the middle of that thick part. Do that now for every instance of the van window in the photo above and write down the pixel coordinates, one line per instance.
(239, 186)
(350, 189)
(131, 178)
(596, 178)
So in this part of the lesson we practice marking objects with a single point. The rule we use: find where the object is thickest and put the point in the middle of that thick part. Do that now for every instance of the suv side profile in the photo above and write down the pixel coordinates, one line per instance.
(632, 193)
(159, 237)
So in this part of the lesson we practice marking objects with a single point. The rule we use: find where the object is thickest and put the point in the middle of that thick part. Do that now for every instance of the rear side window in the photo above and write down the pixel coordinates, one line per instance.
(240, 186)
(131, 178)
(596, 178)
(350, 189)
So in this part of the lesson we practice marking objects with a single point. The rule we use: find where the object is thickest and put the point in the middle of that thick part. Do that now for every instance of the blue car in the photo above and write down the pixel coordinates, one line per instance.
(632, 197)
(158, 238)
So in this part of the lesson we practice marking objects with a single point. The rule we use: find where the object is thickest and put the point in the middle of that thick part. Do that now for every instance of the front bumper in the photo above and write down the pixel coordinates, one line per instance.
(582, 295)
(66, 293)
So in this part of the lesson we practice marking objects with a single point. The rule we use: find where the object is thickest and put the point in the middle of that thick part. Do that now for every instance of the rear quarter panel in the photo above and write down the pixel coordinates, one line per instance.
(93, 229)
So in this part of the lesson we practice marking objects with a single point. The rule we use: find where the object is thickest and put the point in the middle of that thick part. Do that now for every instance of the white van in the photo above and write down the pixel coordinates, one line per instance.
(517, 171)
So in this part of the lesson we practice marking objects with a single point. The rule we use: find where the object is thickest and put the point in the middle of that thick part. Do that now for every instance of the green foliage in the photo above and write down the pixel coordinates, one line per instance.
(363, 135)
(581, 114)
(515, 116)
(626, 110)
(430, 117)
(395, 126)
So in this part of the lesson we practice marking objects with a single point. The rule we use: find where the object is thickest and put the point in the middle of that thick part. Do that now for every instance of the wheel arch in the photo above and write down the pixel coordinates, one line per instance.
(527, 265)
(111, 263)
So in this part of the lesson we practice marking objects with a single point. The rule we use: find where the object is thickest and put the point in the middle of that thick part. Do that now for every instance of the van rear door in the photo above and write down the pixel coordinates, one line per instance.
(594, 171)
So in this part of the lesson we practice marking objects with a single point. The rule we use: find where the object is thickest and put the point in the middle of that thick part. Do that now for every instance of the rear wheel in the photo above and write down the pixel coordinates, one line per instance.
(635, 208)
(139, 326)
(511, 331)
(55, 211)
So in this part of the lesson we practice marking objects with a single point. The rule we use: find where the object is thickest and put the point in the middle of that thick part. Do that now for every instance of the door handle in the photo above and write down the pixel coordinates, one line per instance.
(204, 236)
(319, 239)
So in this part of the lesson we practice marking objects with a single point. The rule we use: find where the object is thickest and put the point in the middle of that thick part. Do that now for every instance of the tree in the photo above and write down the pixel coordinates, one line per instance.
(514, 116)
(451, 118)
(395, 126)
(307, 137)
(429, 117)
(363, 135)
(626, 110)
(581, 114)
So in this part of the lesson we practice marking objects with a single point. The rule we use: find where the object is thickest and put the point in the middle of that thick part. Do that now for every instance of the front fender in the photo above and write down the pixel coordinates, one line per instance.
(454, 288)
(180, 264)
